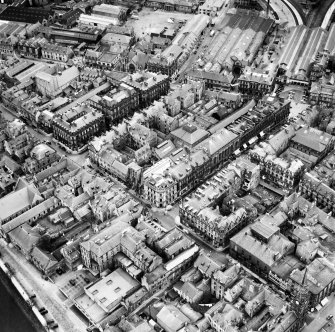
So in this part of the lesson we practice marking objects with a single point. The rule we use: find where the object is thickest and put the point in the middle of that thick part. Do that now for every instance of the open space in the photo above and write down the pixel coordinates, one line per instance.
(149, 20)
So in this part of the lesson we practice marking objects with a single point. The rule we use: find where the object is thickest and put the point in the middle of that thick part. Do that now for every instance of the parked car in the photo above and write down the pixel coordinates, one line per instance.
(72, 282)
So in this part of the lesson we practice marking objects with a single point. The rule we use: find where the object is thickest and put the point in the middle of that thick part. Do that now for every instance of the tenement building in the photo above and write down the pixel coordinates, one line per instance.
(116, 104)
(75, 127)
(197, 211)
(150, 86)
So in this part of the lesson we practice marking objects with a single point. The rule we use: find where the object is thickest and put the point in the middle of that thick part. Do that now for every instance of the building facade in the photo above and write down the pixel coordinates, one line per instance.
(77, 130)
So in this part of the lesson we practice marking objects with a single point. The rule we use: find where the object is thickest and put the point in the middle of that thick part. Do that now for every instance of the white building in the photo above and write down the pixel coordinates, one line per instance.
(53, 84)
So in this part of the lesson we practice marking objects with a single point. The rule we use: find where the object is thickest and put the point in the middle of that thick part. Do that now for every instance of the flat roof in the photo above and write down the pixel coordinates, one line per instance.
(112, 288)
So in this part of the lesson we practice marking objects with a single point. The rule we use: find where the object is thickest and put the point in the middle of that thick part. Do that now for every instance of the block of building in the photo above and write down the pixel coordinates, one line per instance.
(77, 126)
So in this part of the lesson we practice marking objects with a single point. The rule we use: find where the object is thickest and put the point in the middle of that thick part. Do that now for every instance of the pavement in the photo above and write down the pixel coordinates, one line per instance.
(319, 318)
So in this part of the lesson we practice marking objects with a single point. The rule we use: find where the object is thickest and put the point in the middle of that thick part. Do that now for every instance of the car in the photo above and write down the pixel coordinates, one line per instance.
(329, 317)
(59, 271)
(87, 280)
(72, 282)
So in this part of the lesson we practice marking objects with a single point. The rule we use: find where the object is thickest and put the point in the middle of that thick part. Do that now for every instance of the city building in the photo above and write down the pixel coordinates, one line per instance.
(31, 47)
(98, 252)
(212, 7)
(197, 211)
(109, 291)
(186, 6)
(107, 10)
(103, 16)
(27, 14)
(41, 157)
(255, 83)
(283, 172)
(77, 126)
(6, 46)
(159, 188)
(187, 38)
(317, 190)
(44, 262)
(118, 103)
(56, 52)
(172, 319)
(69, 19)
(24, 238)
(19, 147)
(212, 80)
(260, 246)
(188, 136)
(238, 43)
(150, 86)
(52, 85)
(299, 53)
(310, 145)
(322, 94)
(72, 36)
(165, 63)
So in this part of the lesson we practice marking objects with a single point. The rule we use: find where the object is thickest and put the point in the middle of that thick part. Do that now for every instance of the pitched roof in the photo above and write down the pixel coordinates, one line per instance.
(31, 213)
(40, 151)
(314, 139)
(25, 14)
(18, 200)
(172, 317)
(44, 259)
(191, 291)
(25, 237)
(206, 264)
(190, 134)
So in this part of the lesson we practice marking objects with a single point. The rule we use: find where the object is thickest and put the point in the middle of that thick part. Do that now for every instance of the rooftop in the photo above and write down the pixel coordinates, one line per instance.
(114, 287)
(314, 139)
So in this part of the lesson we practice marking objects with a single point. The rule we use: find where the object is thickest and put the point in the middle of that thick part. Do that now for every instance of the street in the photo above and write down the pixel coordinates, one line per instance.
(320, 317)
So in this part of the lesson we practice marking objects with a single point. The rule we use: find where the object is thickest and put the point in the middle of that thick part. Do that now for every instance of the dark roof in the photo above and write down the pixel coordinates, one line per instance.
(25, 14)
(210, 76)
(70, 14)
